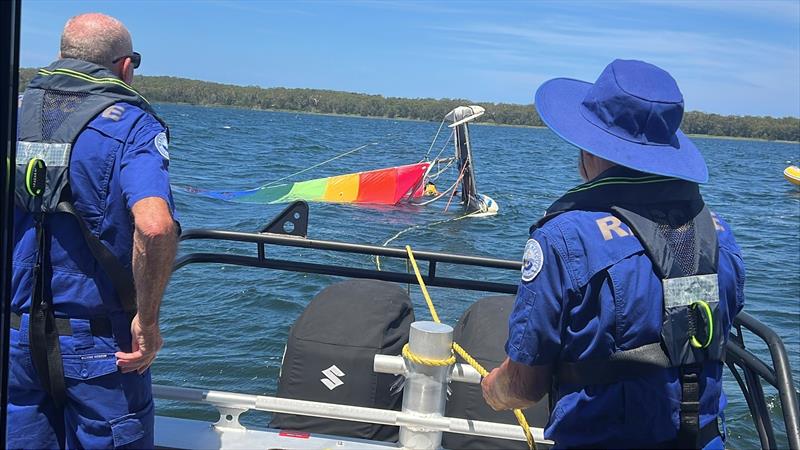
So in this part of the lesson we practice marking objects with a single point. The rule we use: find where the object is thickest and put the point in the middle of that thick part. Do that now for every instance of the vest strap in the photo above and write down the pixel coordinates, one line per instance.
(98, 326)
(706, 434)
(626, 364)
(688, 433)
(42, 332)
(120, 277)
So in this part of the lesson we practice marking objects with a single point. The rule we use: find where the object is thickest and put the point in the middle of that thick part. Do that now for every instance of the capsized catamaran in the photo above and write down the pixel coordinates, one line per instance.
(405, 184)
(381, 186)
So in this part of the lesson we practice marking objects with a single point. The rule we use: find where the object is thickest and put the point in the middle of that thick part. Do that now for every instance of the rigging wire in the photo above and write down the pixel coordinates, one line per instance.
(460, 176)
(444, 147)
(436, 136)
(320, 164)
(438, 163)
(436, 159)
(450, 161)
(421, 227)
(387, 138)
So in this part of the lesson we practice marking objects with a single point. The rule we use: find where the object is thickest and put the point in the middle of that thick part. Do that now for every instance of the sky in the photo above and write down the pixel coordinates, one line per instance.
(728, 57)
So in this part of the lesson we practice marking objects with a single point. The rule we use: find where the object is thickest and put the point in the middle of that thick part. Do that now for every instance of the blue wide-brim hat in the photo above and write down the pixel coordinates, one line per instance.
(629, 116)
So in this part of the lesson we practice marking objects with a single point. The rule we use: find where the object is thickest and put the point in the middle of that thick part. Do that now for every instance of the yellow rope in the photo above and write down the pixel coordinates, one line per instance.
(458, 349)
(413, 357)
(422, 285)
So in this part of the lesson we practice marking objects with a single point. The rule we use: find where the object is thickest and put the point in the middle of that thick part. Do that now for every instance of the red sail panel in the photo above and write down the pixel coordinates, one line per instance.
(389, 186)
(410, 177)
(377, 186)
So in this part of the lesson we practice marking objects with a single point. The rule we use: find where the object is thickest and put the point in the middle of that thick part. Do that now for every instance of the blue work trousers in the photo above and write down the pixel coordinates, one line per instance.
(105, 408)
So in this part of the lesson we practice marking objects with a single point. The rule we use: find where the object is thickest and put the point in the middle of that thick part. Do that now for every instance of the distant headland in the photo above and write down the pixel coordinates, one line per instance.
(182, 90)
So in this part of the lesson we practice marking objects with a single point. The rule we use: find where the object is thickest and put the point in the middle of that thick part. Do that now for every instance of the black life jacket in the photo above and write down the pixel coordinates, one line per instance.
(676, 229)
(57, 105)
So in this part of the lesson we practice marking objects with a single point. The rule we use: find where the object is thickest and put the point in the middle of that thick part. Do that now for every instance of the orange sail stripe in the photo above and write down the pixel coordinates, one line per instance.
(342, 189)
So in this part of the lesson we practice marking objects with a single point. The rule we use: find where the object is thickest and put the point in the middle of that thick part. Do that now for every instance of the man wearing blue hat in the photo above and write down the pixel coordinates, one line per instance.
(629, 283)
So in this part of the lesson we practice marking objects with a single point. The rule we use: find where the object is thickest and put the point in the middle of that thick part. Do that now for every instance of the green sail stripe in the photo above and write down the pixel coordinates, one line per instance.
(268, 194)
(311, 191)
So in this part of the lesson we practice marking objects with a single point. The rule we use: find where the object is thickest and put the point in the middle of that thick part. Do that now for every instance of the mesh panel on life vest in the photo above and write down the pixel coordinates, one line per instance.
(681, 241)
(57, 107)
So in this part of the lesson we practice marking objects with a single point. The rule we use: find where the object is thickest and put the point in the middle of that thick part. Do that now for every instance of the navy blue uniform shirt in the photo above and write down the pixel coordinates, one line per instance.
(591, 291)
(120, 158)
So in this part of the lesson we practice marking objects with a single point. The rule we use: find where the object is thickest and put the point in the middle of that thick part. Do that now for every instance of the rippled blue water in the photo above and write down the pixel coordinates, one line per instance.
(225, 326)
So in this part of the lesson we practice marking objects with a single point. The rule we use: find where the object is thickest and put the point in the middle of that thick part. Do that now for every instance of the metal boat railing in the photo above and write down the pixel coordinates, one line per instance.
(747, 368)
(753, 370)
(421, 420)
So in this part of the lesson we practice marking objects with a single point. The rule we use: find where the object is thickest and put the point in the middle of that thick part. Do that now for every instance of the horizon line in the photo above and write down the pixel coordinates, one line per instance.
(411, 98)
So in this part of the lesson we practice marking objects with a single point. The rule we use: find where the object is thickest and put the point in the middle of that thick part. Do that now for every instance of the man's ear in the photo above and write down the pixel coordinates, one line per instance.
(127, 71)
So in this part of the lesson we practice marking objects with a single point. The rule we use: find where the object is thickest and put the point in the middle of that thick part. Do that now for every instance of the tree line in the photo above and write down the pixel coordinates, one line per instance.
(181, 90)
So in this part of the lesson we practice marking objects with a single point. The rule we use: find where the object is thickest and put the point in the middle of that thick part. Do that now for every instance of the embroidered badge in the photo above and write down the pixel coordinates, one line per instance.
(162, 145)
(114, 112)
(532, 260)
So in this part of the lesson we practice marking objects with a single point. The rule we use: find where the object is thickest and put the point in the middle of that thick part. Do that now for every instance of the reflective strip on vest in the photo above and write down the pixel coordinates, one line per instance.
(53, 154)
(684, 291)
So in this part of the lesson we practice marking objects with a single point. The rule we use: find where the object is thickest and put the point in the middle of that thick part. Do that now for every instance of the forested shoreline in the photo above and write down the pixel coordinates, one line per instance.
(182, 90)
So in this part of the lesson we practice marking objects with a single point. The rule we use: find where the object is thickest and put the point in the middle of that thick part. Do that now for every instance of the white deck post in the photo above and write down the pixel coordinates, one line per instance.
(425, 392)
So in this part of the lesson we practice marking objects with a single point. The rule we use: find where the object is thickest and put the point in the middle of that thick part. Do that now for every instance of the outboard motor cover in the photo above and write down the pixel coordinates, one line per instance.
(330, 351)
(483, 331)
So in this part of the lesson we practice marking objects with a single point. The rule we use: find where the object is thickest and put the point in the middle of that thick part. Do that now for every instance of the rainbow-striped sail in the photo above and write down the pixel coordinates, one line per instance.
(382, 186)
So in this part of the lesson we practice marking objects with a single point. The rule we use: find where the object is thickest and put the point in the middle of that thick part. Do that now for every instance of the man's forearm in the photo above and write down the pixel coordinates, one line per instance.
(154, 251)
(514, 385)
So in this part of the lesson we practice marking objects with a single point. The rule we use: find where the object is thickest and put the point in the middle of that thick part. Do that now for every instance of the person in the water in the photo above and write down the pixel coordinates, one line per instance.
(430, 190)
(629, 283)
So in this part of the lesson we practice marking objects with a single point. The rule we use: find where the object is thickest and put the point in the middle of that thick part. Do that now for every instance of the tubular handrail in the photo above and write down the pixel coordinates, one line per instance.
(781, 375)
(374, 250)
(345, 412)
(778, 375)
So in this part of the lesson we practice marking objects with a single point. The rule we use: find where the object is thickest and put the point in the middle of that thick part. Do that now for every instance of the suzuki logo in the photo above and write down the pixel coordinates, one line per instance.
(332, 380)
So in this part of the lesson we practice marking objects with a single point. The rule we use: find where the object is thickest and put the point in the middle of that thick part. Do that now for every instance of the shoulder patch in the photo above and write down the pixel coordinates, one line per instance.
(532, 260)
(114, 112)
(162, 145)
(717, 224)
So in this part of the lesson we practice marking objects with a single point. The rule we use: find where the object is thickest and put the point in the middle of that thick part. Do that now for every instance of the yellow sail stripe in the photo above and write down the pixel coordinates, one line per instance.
(342, 188)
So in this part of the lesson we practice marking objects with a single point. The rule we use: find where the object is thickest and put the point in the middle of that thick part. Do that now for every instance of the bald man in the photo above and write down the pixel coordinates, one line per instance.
(94, 241)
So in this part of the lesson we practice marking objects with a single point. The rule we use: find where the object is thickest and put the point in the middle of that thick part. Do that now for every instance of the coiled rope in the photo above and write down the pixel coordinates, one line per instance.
(457, 348)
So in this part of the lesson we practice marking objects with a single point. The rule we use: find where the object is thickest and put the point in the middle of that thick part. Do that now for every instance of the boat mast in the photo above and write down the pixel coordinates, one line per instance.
(469, 192)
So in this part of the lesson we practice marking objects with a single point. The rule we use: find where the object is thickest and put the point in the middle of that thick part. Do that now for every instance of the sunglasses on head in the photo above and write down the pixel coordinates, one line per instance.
(135, 57)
